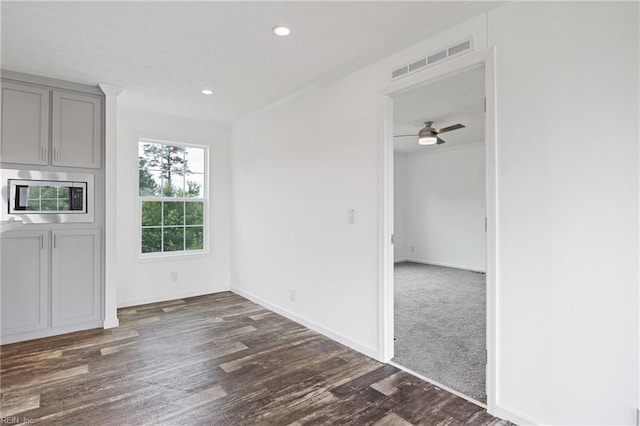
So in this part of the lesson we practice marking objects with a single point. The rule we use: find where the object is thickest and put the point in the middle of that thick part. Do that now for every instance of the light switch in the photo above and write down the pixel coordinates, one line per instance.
(352, 216)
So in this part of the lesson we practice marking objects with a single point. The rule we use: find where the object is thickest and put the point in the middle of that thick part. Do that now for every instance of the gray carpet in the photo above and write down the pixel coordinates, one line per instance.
(440, 325)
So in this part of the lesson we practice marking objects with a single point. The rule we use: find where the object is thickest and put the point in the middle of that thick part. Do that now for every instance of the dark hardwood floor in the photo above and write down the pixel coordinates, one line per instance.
(217, 360)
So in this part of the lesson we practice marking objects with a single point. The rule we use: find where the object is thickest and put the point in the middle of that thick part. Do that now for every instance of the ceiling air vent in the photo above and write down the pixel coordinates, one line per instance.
(437, 56)
(459, 47)
(400, 71)
(433, 58)
(418, 64)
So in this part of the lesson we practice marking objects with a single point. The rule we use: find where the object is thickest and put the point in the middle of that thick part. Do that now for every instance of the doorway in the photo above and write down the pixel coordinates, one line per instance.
(438, 312)
(440, 244)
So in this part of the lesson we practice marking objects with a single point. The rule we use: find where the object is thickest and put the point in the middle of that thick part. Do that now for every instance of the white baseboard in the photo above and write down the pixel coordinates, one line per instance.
(169, 296)
(111, 323)
(448, 265)
(404, 259)
(370, 352)
(513, 415)
(47, 332)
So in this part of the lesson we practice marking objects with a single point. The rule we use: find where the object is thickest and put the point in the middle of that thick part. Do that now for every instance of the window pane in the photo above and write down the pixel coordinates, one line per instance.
(161, 169)
(195, 185)
(151, 213)
(194, 213)
(173, 213)
(173, 239)
(194, 237)
(149, 182)
(150, 155)
(173, 171)
(194, 159)
(151, 240)
(173, 186)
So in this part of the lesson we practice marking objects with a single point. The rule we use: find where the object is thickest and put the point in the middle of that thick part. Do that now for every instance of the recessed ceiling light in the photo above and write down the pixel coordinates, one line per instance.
(281, 30)
(207, 92)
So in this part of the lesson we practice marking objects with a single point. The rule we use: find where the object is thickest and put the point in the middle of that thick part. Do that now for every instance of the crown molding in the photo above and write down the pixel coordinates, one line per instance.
(123, 108)
(110, 90)
(50, 82)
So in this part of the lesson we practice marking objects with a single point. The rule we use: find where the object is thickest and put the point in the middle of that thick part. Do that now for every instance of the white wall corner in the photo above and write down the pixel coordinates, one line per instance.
(111, 229)
(338, 337)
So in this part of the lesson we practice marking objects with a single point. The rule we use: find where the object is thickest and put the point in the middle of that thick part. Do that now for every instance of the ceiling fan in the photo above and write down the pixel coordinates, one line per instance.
(429, 135)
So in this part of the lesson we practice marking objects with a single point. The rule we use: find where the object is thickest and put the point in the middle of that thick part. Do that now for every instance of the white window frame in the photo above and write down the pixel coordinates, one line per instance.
(204, 200)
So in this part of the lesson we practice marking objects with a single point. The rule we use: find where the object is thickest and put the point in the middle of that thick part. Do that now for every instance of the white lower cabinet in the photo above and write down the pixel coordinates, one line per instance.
(50, 282)
(75, 277)
(24, 289)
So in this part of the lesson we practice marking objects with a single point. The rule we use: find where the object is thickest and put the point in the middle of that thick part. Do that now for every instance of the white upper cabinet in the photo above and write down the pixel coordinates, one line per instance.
(25, 124)
(65, 133)
(76, 130)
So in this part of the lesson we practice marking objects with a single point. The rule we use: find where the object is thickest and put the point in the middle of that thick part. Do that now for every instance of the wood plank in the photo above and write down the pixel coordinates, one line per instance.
(216, 359)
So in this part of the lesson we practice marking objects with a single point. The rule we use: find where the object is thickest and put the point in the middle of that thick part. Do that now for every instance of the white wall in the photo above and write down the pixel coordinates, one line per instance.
(567, 159)
(399, 211)
(317, 156)
(567, 76)
(148, 280)
(444, 207)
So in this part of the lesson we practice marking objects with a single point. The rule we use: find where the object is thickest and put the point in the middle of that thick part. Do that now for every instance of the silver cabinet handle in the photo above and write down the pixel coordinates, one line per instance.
(55, 241)
(42, 153)
(55, 153)
(42, 241)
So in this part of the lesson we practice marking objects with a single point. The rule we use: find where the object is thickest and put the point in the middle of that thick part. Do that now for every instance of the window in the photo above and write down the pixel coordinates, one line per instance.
(172, 190)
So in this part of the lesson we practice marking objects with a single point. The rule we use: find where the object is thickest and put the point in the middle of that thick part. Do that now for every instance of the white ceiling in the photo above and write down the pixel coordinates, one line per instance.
(458, 98)
(164, 53)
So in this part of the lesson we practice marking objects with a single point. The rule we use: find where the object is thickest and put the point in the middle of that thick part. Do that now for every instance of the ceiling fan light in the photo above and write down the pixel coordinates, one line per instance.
(427, 140)
(427, 137)
(281, 30)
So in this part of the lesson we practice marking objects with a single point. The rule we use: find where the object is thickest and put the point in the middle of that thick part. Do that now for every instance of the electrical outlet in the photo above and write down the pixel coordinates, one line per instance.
(413, 249)
(173, 277)
(352, 216)
(292, 294)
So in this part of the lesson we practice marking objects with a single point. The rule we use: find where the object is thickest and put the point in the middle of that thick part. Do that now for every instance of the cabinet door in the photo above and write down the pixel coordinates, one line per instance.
(76, 130)
(25, 124)
(24, 281)
(75, 277)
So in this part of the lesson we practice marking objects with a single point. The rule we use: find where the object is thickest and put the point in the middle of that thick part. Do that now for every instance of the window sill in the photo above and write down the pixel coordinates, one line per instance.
(173, 255)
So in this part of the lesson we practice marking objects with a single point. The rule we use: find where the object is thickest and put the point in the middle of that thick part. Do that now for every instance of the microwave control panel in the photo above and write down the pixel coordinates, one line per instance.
(76, 198)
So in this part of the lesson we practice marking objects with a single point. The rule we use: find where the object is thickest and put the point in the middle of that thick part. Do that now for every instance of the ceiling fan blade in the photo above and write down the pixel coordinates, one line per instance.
(450, 128)
(440, 141)
(399, 136)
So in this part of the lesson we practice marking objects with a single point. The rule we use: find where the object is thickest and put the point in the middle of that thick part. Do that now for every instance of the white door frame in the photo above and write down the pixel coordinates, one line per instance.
(385, 246)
